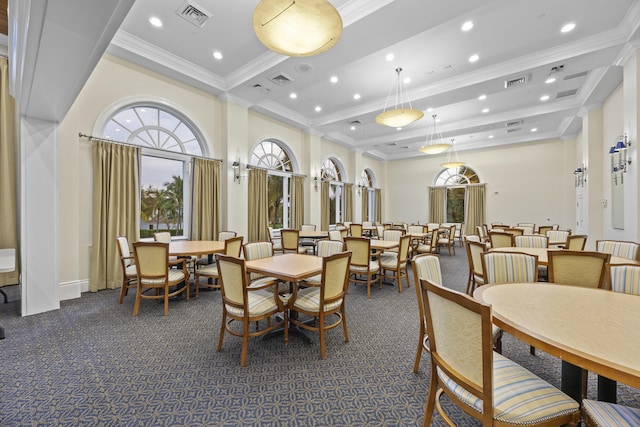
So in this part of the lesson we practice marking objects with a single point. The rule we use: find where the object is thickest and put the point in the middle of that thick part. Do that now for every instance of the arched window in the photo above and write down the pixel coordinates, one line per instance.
(274, 156)
(368, 184)
(168, 139)
(456, 180)
(332, 171)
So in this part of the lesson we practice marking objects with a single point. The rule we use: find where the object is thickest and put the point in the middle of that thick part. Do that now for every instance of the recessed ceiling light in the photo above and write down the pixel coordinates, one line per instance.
(398, 128)
(333, 79)
(482, 97)
(156, 22)
(353, 128)
(318, 108)
(485, 110)
(544, 98)
(534, 129)
(474, 57)
(390, 56)
(406, 80)
(429, 110)
(217, 55)
(356, 96)
(550, 80)
(293, 95)
(117, 129)
(467, 26)
(490, 136)
(438, 120)
(568, 27)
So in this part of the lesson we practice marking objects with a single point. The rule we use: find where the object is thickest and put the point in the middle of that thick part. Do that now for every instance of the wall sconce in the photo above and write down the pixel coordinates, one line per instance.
(580, 175)
(236, 170)
(315, 183)
(360, 187)
(619, 160)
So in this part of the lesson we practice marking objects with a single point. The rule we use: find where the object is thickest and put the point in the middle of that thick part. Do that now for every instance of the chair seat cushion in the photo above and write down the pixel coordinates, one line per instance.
(423, 249)
(313, 280)
(208, 270)
(259, 302)
(174, 276)
(520, 397)
(610, 414)
(309, 299)
(265, 280)
(373, 267)
(131, 270)
(390, 261)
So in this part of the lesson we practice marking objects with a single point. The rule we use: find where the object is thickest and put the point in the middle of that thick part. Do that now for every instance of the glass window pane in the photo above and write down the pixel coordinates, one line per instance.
(275, 195)
(161, 196)
(455, 204)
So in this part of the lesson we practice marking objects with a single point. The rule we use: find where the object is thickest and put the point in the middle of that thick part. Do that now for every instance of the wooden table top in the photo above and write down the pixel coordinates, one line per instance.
(195, 247)
(384, 244)
(541, 253)
(595, 329)
(289, 267)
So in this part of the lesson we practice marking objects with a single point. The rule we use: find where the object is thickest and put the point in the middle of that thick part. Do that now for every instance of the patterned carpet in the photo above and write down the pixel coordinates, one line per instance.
(92, 364)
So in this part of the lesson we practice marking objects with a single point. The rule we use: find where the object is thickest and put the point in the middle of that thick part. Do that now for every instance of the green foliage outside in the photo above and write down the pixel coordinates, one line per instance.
(163, 206)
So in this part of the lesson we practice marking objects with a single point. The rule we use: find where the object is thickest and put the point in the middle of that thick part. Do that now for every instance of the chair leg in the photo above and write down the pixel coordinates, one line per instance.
(222, 328)
(136, 305)
(323, 346)
(416, 364)
(166, 300)
(245, 344)
(344, 324)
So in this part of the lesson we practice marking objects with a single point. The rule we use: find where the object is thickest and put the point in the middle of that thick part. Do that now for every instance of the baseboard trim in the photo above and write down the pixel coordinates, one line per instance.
(73, 290)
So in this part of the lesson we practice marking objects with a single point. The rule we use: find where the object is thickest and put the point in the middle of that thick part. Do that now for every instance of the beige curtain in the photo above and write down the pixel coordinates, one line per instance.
(437, 198)
(365, 203)
(378, 217)
(8, 195)
(297, 202)
(348, 203)
(115, 210)
(258, 229)
(325, 206)
(474, 206)
(205, 199)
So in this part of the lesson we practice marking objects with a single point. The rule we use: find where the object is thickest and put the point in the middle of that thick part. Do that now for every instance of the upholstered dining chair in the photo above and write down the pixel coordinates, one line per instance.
(335, 235)
(481, 382)
(531, 241)
(275, 239)
(619, 248)
(474, 258)
(393, 235)
(325, 300)
(290, 241)
(232, 247)
(361, 263)
(425, 267)
(154, 273)
(597, 413)
(129, 271)
(514, 231)
(577, 268)
(558, 238)
(448, 239)
(204, 260)
(310, 244)
(624, 278)
(482, 234)
(394, 265)
(258, 250)
(499, 239)
(576, 242)
(355, 230)
(245, 304)
(164, 237)
(428, 245)
(325, 248)
(544, 228)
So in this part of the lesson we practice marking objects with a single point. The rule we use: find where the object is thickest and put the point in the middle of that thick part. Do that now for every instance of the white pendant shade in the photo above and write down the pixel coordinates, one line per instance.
(452, 165)
(434, 148)
(453, 161)
(297, 28)
(399, 117)
(433, 145)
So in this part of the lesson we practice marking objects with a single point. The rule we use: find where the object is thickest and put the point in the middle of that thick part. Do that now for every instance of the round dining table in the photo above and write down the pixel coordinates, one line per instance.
(541, 253)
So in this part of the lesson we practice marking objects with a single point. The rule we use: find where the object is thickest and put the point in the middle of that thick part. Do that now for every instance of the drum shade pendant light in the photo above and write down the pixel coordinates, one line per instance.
(398, 116)
(297, 28)
(433, 145)
(453, 161)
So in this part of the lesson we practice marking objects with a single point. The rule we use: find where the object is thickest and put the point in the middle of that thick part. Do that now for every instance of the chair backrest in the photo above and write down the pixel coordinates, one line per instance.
(360, 248)
(344, 232)
(403, 248)
(558, 235)
(257, 250)
(329, 247)
(152, 260)
(531, 241)
(415, 229)
(427, 267)
(480, 230)
(335, 235)
(513, 231)
(308, 227)
(289, 239)
(387, 225)
(433, 226)
(367, 223)
(577, 268)
(233, 281)
(526, 224)
(526, 229)
(392, 235)
(380, 230)
(466, 358)
(625, 278)
(162, 236)
(473, 238)
(576, 242)
(500, 239)
(629, 250)
(125, 253)
(233, 246)
(224, 235)
(335, 276)
(509, 267)
(474, 256)
(355, 230)
(544, 228)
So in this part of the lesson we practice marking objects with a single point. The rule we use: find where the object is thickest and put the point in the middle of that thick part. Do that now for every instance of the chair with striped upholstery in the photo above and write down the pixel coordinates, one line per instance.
(481, 382)
(222, 236)
(395, 265)
(361, 263)
(624, 278)
(619, 248)
(427, 246)
(426, 267)
(598, 413)
(232, 247)
(474, 257)
(335, 235)
(129, 272)
(325, 248)
(528, 227)
(258, 250)
(275, 239)
(245, 304)
(531, 241)
(392, 235)
(558, 238)
(544, 228)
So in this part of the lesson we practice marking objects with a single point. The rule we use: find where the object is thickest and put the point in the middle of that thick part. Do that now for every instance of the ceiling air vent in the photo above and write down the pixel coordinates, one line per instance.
(193, 13)
(515, 82)
(566, 93)
(576, 75)
(512, 130)
(281, 79)
(355, 122)
(513, 123)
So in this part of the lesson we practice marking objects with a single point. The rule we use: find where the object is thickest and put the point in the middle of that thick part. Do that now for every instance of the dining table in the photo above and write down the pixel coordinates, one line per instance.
(543, 259)
(383, 245)
(593, 329)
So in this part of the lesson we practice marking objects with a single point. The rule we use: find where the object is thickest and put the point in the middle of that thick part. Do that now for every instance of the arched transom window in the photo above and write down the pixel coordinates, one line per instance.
(271, 155)
(332, 173)
(456, 181)
(462, 175)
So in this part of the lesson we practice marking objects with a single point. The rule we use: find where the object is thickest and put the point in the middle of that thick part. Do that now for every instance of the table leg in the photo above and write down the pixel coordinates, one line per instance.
(607, 389)
(572, 381)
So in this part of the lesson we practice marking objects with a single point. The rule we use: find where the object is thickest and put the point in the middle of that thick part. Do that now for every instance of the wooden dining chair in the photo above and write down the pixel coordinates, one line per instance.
(128, 265)
(291, 241)
(577, 268)
(324, 300)
(258, 250)
(619, 248)
(624, 278)
(232, 247)
(362, 264)
(499, 239)
(394, 265)
(355, 230)
(246, 305)
(599, 413)
(474, 258)
(425, 267)
(576, 242)
(325, 248)
(482, 383)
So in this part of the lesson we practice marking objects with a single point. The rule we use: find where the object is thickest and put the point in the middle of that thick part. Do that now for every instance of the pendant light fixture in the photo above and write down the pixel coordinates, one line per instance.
(453, 162)
(399, 115)
(297, 27)
(433, 145)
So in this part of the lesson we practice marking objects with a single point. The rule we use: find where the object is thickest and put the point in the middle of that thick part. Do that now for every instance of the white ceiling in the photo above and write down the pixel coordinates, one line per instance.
(513, 39)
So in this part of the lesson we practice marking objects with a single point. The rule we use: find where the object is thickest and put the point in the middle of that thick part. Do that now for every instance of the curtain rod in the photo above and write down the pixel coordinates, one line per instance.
(248, 166)
(95, 138)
